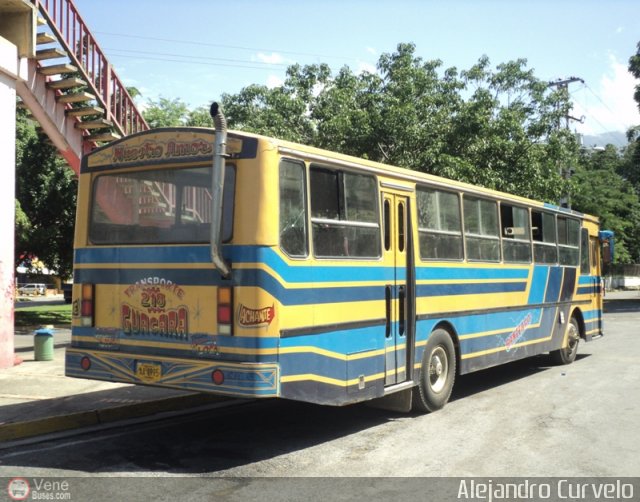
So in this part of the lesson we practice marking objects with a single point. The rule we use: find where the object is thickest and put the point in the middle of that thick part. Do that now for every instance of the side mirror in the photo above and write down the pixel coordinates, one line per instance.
(606, 242)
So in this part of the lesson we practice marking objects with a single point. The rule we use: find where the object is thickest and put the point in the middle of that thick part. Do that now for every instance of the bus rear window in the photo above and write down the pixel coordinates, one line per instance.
(163, 206)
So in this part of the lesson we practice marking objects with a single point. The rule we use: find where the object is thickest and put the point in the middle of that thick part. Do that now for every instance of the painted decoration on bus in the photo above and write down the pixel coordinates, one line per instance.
(150, 309)
(150, 150)
(161, 147)
(204, 345)
(253, 318)
(517, 333)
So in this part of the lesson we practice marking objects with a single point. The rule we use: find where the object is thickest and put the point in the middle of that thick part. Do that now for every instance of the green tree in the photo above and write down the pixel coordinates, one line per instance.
(166, 113)
(46, 202)
(496, 128)
(601, 191)
(630, 168)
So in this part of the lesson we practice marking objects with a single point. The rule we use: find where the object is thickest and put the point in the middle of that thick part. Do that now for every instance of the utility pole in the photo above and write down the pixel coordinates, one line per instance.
(565, 172)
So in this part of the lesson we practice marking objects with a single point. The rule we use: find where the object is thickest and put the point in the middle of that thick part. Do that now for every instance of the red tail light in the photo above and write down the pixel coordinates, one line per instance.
(225, 310)
(86, 304)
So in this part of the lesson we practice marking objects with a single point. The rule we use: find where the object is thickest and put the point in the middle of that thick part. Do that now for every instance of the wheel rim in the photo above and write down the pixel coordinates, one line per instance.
(573, 338)
(438, 369)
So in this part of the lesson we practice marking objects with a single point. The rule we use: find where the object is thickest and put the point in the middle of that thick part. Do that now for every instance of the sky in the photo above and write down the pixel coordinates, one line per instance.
(196, 50)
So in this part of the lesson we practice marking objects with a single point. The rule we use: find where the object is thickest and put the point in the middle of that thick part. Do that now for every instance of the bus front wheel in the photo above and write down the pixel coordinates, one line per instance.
(437, 373)
(566, 355)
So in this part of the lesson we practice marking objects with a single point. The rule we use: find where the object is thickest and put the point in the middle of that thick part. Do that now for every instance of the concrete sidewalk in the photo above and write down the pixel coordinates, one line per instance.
(37, 398)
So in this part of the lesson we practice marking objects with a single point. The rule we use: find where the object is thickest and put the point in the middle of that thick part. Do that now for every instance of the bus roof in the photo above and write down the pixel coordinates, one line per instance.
(188, 144)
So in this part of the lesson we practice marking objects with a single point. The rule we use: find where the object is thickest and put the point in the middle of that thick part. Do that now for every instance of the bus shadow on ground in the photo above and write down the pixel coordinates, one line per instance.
(216, 441)
(488, 379)
(622, 306)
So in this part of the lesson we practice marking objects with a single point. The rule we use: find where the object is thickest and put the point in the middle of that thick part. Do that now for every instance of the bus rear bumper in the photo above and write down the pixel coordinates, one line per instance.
(230, 379)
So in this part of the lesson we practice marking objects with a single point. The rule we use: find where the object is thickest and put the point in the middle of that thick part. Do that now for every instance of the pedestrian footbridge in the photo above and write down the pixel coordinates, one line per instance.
(52, 65)
(67, 82)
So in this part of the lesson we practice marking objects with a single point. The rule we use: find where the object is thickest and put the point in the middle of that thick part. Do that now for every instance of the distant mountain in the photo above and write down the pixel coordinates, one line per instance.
(616, 138)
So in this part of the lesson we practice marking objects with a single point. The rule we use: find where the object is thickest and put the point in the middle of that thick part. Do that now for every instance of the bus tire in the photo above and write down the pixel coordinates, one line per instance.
(566, 355)
(437, 373)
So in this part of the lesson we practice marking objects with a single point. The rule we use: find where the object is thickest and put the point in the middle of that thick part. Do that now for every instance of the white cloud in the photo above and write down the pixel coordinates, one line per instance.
(274, 81)
(364, 67)
(273, 58)
(609, 106)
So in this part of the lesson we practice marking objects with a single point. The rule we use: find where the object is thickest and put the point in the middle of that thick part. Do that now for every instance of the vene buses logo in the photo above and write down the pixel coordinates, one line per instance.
(18, 489)
(153, 313)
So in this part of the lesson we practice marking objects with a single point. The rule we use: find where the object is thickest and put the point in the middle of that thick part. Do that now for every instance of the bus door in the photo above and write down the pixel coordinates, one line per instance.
(597, 290)
(400, 288)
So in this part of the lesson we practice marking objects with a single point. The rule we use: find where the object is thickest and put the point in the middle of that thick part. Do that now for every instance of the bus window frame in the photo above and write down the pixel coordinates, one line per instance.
(542, 242)
(576, 248)
(342, 203)
(426, 230)
(497, 237)
(529, 238)
(305, 212)
(226, 237)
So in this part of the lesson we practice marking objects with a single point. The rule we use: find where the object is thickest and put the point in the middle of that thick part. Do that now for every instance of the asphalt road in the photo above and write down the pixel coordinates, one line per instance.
(523, 419)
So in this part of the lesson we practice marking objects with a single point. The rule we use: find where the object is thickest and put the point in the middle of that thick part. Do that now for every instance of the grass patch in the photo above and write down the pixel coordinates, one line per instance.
(57, 315)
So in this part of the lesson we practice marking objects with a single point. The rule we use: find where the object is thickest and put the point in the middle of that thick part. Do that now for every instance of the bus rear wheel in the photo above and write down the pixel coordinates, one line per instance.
(566, 355)
(437, 373)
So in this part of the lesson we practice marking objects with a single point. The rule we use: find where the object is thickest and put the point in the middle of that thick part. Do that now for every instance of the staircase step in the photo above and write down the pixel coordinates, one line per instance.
(45, 38)
(103, 136)
(41, 21)
(51, 53)
(57, 69)
(66, 83)
(84, 111)
(75, 97)
(94, 124)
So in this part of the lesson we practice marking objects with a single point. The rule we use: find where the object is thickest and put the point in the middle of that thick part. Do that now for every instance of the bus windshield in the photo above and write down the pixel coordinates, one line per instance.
(163, 206)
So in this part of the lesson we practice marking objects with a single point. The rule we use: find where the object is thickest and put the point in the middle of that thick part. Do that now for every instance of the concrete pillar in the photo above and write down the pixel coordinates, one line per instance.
(8, 76)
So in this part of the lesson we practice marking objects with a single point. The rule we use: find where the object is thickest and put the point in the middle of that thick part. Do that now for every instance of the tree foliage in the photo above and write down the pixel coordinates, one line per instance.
(497, 127)
(600, 190)
(493, 127)
(45, 202)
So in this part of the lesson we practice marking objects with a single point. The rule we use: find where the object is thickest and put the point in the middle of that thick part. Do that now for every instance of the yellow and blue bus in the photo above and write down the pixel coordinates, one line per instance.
(241, 265)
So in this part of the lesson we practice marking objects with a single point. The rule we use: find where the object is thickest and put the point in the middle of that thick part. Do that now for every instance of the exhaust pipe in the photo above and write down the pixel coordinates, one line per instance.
(217, 189)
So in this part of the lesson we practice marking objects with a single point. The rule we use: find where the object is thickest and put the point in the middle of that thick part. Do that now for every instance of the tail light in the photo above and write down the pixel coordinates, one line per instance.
(86, 304)
(225, 310)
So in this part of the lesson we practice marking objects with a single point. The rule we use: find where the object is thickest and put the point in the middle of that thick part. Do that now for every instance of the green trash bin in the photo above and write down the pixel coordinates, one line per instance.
(43, 344)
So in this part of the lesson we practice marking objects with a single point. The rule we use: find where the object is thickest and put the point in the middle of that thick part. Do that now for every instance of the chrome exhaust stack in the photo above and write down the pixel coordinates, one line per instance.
(217, 188)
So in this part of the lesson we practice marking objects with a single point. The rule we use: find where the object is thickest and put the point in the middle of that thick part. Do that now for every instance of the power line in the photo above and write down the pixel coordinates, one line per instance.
(222, 46)
(202, 63)
(198, 58)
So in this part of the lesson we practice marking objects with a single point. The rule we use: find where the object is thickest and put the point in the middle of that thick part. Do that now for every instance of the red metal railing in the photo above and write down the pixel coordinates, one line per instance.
(68, 26)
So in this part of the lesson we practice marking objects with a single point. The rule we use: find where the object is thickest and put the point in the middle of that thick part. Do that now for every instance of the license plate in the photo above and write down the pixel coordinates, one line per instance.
(148, 372)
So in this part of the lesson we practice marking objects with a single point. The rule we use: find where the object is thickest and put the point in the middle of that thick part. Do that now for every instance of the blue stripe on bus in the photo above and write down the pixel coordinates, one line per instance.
(287, 296)
(289, 273)
(554, 285)
(146, 254)
(469, 289)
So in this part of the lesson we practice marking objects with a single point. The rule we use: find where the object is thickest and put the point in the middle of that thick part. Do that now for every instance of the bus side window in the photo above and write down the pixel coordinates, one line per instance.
(439, 225)
(481, 229)
(293, 211)
(516, 236)
(585, 268)
(543, 230)
(345, 220)
(568, 241)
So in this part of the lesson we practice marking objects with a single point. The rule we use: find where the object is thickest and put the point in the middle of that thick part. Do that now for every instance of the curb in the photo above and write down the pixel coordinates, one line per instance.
(30, 428)
(30, 348)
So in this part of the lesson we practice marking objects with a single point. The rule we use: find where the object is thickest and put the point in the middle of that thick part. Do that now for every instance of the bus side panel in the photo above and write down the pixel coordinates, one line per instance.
(508, 326)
